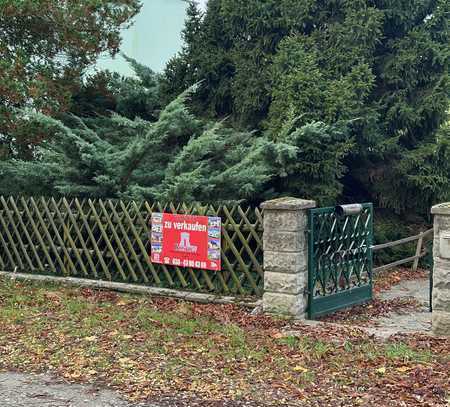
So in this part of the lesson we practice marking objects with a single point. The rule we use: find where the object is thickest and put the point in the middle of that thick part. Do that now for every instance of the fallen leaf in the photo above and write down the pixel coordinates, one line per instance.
(277, 335)
(381, 370)
(300, 369)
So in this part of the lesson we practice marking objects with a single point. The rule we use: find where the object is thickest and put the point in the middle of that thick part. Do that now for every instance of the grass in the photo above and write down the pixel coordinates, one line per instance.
(147, 348)
(404, 353)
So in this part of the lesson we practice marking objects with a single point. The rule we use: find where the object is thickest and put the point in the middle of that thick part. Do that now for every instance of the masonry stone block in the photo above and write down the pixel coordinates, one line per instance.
(284, 304)
(441, 323)
(284, 241)
(441, 299)
(442, 222)
(288, 263)
(441, 285)
(288, 204)
(441, 272)
(284, 283)
(288, 221)
(436, 242)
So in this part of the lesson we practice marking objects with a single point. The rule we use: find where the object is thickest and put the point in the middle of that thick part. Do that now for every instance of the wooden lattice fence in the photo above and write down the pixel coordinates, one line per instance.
(109, 240)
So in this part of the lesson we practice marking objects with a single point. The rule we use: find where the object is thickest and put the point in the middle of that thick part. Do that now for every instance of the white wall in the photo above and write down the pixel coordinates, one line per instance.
(154, 38)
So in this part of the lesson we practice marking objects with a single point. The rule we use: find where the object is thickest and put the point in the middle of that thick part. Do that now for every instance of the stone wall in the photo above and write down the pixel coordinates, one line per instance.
(441, 272)
(286, 256)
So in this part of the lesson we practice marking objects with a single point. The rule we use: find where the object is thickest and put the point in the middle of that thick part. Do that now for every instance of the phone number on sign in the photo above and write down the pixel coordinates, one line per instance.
(183, 263)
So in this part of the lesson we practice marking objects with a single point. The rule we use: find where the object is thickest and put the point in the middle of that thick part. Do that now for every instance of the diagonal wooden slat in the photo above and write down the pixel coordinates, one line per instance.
(143, 252)
(81, 240)
(88, 229)
(37, 234)
(2, 263)
(19, 242)
(226, 249)
(97, 242)
(5, 250)
(245, 241)
(47, 234)
(118, 241)
(106, 239)
(25, 232)
(18, 263)
(68, 237)
(59, 240)
(120, 222)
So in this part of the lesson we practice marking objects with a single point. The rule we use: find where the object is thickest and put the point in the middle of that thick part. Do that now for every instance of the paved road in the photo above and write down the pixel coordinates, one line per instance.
(26, 390)
(19, 390)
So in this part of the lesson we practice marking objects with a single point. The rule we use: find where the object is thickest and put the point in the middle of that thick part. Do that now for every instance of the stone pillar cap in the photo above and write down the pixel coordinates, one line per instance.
(441, 209)
(288, 204)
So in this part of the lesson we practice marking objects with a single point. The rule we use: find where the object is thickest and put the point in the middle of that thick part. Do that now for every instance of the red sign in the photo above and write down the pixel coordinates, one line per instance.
(186, 241)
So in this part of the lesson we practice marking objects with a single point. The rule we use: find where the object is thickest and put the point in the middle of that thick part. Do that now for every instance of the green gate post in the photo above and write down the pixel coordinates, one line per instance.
(286, 256)
(441, 270)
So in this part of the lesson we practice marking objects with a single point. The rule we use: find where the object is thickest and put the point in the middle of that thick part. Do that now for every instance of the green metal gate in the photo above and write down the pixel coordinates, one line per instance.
(340, 258)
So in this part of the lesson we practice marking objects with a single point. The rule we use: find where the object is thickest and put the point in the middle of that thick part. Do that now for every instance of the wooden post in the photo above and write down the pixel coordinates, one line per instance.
(418, 252)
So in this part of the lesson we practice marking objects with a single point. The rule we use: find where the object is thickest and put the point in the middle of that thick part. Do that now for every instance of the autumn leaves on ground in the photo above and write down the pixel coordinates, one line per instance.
(190, 354)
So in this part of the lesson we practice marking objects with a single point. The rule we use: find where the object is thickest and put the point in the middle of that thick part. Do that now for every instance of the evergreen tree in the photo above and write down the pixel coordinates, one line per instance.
(379, 68)
(425, 168)
(104, 92)
(93, 95)
(139, 96)
(178, 158)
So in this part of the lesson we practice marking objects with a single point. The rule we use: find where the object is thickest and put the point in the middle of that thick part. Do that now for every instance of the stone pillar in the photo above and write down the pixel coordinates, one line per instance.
(286, 256)
(441, 272)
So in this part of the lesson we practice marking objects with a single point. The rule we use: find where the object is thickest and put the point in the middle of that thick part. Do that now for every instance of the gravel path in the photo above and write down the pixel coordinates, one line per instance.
(418, 321)
(411, 322)
(418, 289)
(20, 390)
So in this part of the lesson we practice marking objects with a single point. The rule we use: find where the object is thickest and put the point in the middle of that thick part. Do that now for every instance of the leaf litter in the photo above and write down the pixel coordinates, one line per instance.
(184, 354)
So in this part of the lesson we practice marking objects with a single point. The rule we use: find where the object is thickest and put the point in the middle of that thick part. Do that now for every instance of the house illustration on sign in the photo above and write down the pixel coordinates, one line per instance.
(154, 38)
(185, 244)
